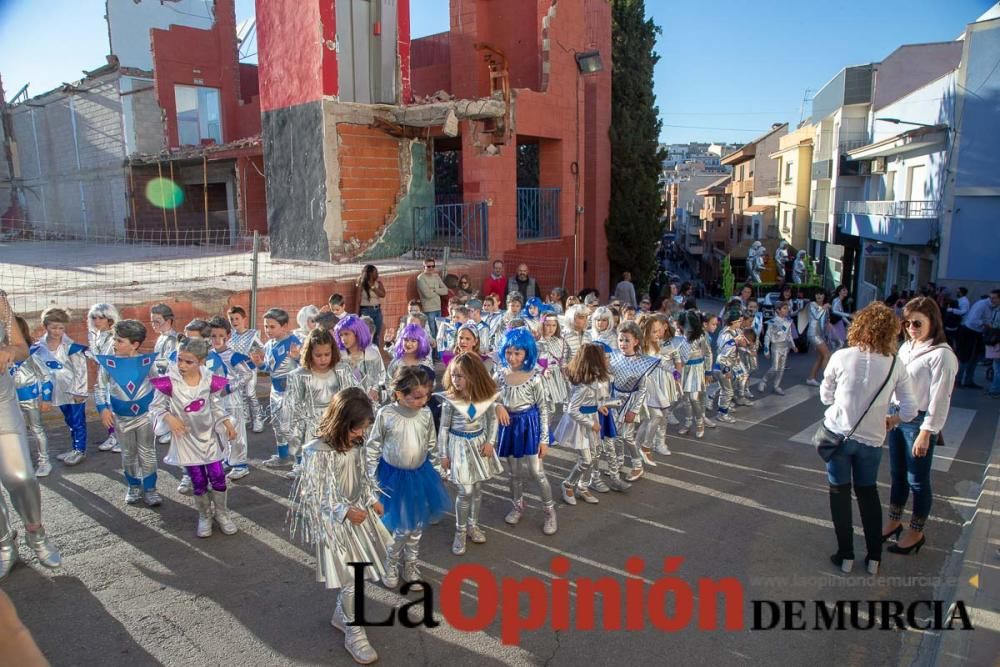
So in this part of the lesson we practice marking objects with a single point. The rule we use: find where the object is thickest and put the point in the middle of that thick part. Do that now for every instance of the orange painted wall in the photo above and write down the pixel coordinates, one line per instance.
(369, 179)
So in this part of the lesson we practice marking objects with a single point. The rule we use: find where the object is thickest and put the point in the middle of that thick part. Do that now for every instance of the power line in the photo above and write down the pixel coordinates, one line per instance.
(721, 129)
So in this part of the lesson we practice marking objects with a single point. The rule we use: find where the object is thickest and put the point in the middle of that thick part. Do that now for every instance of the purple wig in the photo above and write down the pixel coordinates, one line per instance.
(357, 326)
(417, 333)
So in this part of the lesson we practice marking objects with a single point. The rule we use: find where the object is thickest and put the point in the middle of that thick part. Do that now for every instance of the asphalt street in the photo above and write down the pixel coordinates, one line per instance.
(749, 502)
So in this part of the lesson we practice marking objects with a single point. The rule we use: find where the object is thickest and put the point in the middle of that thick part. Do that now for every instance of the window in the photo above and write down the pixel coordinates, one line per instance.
(198, 115)
(788, 171)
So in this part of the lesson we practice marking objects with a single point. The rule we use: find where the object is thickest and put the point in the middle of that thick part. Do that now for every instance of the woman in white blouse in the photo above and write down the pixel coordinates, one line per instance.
(932, 368)
(853, 381)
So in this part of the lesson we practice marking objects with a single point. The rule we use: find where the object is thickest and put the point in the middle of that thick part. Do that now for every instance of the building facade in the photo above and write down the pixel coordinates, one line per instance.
(794, 169)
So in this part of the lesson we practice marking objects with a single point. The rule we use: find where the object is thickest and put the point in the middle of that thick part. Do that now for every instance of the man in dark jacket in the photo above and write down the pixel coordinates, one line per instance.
(524, 284)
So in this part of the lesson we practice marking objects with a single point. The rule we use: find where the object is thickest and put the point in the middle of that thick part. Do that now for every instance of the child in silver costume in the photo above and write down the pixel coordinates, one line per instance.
(580, 427)
(238, 371)
(467, 441)
(551, 352)
(402, 456)
(523, 436)
(247, 342)
(336, 509)
(124, 395)
(100, 319)
(749, 345)
(188, 403)
(603, 327)
(630, 370)
(34, 396)
(279, 358)
(728, 363)
(161, 318)
(663, 388)
(696, 355)
(66, 362)
(778, 342)
(312, 386)
(363, 359)
(16, 473)
(575, 332)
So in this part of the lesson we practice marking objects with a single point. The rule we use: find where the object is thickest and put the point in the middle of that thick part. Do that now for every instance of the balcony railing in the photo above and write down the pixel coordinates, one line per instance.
(773, 187)
(537, 213)
(894, 209)
(461, 227)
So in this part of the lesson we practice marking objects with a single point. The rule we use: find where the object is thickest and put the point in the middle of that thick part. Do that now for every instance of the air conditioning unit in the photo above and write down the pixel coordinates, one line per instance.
(878, 165)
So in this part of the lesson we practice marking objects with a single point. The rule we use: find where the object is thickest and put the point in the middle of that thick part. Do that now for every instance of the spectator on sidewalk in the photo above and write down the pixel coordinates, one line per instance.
(962, 309)
(524, 284)
(970, 336)
(992, 340)
(496, 282)
(369, 292)
(431, 288)
(625, 290)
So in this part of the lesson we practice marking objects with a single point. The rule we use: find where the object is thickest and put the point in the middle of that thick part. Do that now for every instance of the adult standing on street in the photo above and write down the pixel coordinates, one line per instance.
(431, 288)
(16, 471)
(524, 284)
(970, 337)
(932, 367)
(625, 290)
(992, 339)
(857, 385)
(496, 282)
(370, 292)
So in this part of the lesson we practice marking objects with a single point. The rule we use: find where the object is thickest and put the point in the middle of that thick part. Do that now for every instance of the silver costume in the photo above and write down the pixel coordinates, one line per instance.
(781, 258)
(367, 371)
(819, 318)
(466, 429)
(799, 268)
(67, 366)
(236, 368)
(697, 359)
(200, 408)
(553, 351)
(630, 378)
(777, 343)
(331, 484)
(518, 398)
(574, 340)
(166, 350)
(279, 363)
(663, 390)
(102, 343)
(576, 429)
(248, 344)
(33, 385)
(755, 261)
(124, 388)
(405, 439)
(18, 477)
(310, 394)
(730, 368)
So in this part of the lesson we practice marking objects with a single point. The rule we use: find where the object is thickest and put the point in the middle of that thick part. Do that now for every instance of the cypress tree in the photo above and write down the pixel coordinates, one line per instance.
(634, 226)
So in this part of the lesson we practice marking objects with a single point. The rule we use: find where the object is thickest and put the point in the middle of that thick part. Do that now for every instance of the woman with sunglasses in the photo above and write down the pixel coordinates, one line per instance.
(932, 368)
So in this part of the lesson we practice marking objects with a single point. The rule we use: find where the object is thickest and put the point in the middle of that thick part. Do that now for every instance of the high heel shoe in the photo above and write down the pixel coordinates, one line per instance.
(905, 551)
(893, 533)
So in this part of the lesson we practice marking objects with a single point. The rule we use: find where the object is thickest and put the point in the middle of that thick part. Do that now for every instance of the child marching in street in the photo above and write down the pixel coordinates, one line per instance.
(66, 362)
(630, 370)
(551, 352)
(188, 403)
(523, 436)
(363, 360)
(336, 509)
(728, 363)
(778, 342)
(696, 355)
(239, 371)
(662, 386)
(279, 358)
(403, 458)
(247, 342)
(467, 441)
(580, 427)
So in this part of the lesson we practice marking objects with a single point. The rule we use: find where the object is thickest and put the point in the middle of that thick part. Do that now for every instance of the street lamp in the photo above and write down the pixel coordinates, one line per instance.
(896, 121)
(589, 62)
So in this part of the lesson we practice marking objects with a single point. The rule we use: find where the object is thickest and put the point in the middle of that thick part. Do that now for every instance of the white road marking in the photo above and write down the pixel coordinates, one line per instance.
(769, 406)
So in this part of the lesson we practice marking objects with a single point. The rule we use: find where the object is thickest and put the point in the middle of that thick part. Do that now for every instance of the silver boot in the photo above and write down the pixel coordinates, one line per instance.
(411, 575)
(514, 515)
(357, 644)
(204, 505)
(458, 545)
(185, 488)
(8, 554)
(39, 543)
(220, 503)
(133, 495)
(476, 534)
(550, 526)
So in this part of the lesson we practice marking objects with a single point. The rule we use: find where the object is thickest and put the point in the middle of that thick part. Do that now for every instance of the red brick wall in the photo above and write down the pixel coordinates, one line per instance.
(253, 197)
(369, 179)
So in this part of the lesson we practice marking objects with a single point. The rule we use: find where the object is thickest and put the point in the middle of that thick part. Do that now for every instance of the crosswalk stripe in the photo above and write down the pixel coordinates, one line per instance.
(769, 406)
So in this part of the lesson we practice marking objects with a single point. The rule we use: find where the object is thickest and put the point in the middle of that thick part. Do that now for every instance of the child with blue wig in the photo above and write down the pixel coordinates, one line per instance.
(523, 414)
(363, 359)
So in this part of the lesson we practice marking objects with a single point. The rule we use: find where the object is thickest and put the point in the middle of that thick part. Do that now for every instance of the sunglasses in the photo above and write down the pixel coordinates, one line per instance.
(916, 324)
(429, 266)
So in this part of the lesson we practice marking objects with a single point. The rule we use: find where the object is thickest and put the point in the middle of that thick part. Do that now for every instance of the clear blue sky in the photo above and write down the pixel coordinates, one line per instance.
(728, 68)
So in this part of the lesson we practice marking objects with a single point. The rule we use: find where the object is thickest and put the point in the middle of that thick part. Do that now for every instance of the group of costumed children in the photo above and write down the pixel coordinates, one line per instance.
(371, 446)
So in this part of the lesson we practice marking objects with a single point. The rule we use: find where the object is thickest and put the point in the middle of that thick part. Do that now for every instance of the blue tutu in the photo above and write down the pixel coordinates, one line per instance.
(521, 437)
(412, 498)
(608, 429)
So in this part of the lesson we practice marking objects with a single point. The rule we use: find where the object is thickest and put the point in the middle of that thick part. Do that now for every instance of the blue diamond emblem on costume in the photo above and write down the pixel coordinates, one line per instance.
(53, 364)
(472, 412)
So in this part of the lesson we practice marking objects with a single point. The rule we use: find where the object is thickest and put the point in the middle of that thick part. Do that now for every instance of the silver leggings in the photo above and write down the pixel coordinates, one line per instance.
(779, 355)
(653, 430)
(18, 477)
(696, 404)
(405, 545)
(467, 504)
(726, 392)
(32, 414)
(626, 443)
(534, 466)
(580, 475)
(346, 601)
(138, 451)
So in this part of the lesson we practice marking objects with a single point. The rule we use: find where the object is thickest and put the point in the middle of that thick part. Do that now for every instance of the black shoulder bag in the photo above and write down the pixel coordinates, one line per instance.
(827, 442)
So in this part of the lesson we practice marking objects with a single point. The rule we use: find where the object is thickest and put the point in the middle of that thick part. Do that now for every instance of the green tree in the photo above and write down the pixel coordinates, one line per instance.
(728, 280)
(634, 226)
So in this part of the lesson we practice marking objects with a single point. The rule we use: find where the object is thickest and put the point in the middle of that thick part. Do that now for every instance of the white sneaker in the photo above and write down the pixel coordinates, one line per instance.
(684, 430)
(185, 488)
(761, 386)
(710, 423)
(662, 449)
(779, 391)
(44, 469)
(726, 419)
(238, 472)
(108, 444)
(812, 383)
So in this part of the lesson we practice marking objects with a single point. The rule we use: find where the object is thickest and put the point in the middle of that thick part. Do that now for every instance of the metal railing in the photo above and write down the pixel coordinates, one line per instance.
(894, 209)
(537, 214)
(461, 227)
